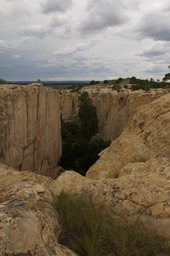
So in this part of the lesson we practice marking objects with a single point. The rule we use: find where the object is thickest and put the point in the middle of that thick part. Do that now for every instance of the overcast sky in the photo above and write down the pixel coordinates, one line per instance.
(84, 39)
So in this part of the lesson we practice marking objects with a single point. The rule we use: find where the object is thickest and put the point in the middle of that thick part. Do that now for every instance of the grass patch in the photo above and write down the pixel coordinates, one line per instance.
(90, 231)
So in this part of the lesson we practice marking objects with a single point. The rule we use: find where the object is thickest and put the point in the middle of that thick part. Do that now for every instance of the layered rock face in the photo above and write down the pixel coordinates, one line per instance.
(131, 179)
(30, 131)
(115, 110)
(69, 106)
(144, 143)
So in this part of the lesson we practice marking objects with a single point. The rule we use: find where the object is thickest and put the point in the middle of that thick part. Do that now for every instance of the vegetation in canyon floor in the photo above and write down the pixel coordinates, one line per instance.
(80, 147)
(91, 231)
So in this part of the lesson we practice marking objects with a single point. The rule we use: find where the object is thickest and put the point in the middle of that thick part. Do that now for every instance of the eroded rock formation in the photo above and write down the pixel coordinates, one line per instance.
(144, 142)
(131, 179)
(69, 106)
(114, 110)
(140, 197)
(28, 218)
(30, 132)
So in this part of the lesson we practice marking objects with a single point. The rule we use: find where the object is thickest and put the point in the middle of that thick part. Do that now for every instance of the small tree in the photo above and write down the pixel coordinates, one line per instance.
(38, 81)
(87, 116)
(2, 81)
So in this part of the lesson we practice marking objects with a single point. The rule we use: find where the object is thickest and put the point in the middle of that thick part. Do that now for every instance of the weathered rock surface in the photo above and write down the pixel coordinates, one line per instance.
(139, 197)
(144, 142)
(115, 110)
(28, 218)
(131, 179)
(30, 132)
(69, 106)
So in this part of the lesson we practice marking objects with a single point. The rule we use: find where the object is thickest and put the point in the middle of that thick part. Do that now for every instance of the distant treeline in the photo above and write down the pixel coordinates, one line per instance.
(134, 83)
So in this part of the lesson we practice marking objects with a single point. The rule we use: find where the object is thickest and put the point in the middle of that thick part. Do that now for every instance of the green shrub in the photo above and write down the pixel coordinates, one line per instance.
(90, 231)
(80, 150)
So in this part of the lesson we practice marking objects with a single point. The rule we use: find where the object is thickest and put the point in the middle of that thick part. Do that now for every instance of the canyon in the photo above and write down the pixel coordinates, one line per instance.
(130, 179)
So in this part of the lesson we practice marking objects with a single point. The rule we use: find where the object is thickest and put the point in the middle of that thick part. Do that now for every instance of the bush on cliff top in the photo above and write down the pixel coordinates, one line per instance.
(90, 231)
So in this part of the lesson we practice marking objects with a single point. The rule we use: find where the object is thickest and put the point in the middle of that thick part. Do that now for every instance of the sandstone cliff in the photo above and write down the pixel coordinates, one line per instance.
(30, 133)
(114, 110)
(131, 179)
(69, 106)
(144, 143)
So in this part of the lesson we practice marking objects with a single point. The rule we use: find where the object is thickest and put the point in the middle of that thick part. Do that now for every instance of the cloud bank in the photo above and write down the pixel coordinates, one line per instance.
(88, 39)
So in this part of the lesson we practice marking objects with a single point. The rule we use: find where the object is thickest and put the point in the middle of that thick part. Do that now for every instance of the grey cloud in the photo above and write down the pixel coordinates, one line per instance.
(50, 6)
(16, 56)
(72, 49)
(159, 70)
(103, 14)
(156, 26)
(4, 45)
(39, 31)
(100, 15)
(155, 51)
(58, 21)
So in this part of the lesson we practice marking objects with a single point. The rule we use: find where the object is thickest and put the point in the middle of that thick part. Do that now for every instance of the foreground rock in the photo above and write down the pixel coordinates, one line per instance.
(28, 219)
(30, 129)
(139, 197)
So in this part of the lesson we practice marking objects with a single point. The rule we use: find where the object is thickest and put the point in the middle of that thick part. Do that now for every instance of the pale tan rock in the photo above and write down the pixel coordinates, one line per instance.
(115, 110)
(143, 198)
(69, 106)
(145, 140)
(28, 217)
(30, 129)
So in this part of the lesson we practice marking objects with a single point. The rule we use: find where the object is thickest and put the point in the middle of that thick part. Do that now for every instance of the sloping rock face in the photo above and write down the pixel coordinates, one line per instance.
(145, 142)
(115, 110)
(137, 198)
(28, 220)
(30, 131)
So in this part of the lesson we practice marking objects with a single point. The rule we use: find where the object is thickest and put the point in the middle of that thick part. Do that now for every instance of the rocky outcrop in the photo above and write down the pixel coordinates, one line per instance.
(144, 143)
(137, 198)
(131, 179)
(115, 110)
(30, 131)
(28, 219)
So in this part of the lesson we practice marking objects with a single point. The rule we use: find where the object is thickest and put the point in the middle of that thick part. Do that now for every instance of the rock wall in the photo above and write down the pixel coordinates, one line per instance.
(30, 132)
(69, 106)
(115, 110)
(144, 144)
(131, 179)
